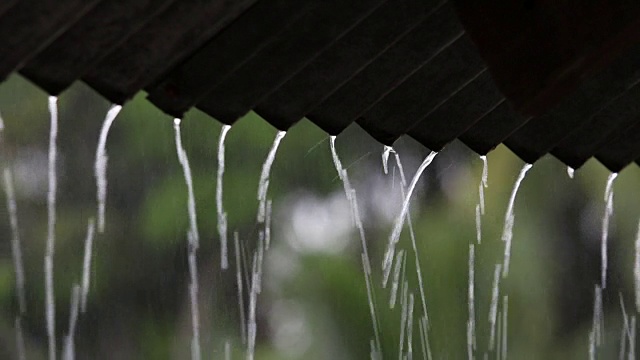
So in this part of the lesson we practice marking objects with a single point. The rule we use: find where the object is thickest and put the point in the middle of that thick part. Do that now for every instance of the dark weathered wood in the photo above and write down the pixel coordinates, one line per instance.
(312, 34)
(164, 41)
(260, 25)
(450, 70)
(343, 60)
(390, 69)
(618, 115)
(453, 117)
(539, 51)
(493, 128)
(622, 148)
(98, 32)
(30, 25)
(543, 133)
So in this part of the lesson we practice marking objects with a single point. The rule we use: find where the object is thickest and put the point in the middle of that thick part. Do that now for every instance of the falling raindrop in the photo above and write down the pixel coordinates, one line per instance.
(100, 166)
(493, 309)
(471, 323)
(570, 171)
(636, 269)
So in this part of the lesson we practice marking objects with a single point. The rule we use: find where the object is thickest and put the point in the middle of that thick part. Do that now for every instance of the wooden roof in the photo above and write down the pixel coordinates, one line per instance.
(527, 75)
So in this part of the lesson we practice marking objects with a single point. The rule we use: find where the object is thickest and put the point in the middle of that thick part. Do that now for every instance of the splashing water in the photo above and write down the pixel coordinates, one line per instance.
(366, 262)
(86, 264)
(571, 172)
(471, 323)
(51, 224)
(222, 216)
(397, 227)
(636, 269)
(68, 350)
(194, 242)
(608, 198)
(100, 168)
(263, 186)
(507, 233)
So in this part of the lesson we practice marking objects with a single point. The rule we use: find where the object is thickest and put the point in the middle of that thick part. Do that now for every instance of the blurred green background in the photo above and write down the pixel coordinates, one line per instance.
(314, 302)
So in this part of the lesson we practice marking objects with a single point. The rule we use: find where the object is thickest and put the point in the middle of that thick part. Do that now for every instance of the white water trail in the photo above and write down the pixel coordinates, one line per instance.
(505, 312)
(222, 215)
(403, 318)
(499, 337)
(636, 269)
(399, 222)
(493, 309)
(263, 185)
(410, 327)
(571, 172)
(100, 167)
(624, 335)
(20, 346)
(243, 332)
(608, 198)
(68, 351)
(16, 247)
(483, 182)
(193, 243)
(507, 233)
(414, 246)
(385, 158)
(51, 224)
(399, 265)
(86, 264)
(480, 207)
(252, 327)
(267, 225)
(471, 323)
(366, 262)
(632, 338)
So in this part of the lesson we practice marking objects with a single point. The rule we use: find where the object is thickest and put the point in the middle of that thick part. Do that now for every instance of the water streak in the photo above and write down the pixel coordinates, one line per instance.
(505, 312)
(86, 264)
(399, 265)
(471, 323)
(366, 262)
(571, 172)
(16, 248)
(68, 351)
(263, 185)
(20, 346)
(483, 182)
(414, 246)
(100, 166)
(507, 233)
(222, 215)
(236, 242)
(608, 198)
(403, 318)
(410, 327)
(397, 227)
(493, 309)
(636, 269)
(385, 158)
(51, 224)
(193, 243)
